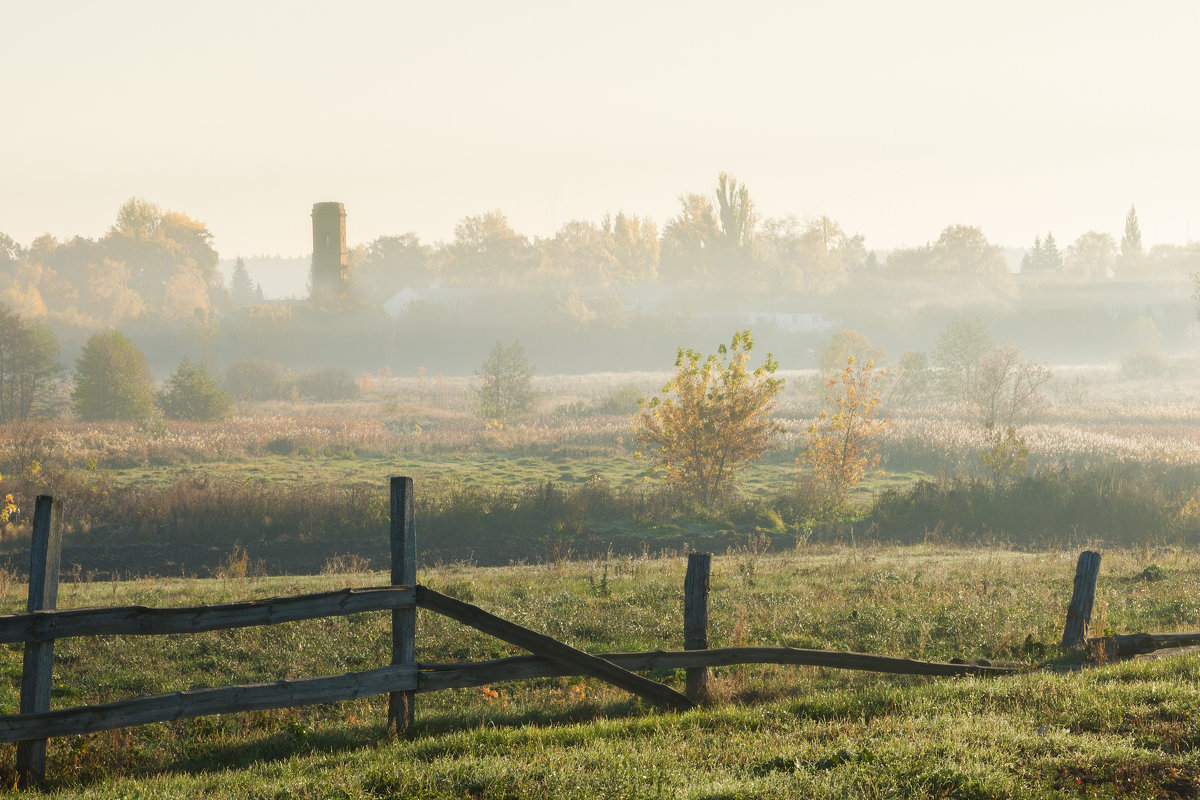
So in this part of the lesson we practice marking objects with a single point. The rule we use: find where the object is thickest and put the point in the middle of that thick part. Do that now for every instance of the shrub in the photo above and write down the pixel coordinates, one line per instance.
(193, 394)
(328, 385)
(258, 379)
(623, 400)
(1144, 363)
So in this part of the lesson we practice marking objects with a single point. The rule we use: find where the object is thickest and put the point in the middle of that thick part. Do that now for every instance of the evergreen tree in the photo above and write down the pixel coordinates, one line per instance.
(1131, 244)
(1032, 260)
(1051, 257)
(192, 393)
(240, 285)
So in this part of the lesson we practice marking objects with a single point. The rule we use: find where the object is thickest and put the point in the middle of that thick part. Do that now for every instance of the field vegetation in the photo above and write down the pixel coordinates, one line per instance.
(550, 519)
(1116, 731)
(295, 482)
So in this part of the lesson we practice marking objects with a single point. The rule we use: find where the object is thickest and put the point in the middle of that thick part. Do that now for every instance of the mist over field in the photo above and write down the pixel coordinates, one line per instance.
(817, 339)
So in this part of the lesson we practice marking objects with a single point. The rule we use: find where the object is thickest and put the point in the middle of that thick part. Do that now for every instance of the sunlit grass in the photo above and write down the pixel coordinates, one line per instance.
(776, 731)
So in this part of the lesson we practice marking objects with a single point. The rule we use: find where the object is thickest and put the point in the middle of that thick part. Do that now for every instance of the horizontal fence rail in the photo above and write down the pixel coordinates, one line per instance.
(202, 702)
(42, 626)
(434, 677)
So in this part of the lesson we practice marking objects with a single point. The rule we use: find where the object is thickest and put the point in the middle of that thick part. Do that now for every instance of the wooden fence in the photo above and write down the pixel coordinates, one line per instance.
(401, 680)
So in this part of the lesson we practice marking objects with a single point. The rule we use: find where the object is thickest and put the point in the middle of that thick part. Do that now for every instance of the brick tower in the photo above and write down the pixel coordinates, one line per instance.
(329, 248)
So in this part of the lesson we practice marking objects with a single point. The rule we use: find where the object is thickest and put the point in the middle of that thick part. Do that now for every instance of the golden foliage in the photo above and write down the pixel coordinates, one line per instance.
(713, 417)
(843, 444)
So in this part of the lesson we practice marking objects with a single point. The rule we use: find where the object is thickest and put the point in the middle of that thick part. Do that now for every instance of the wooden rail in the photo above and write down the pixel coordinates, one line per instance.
(44, 626)
(575, 661)
(435, 677)
(202, 702)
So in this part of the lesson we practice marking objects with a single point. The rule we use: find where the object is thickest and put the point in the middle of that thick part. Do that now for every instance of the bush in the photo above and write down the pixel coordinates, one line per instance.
(1145, 363)
(258, 379)
(623, 400)
(193, 394)
(328, 385)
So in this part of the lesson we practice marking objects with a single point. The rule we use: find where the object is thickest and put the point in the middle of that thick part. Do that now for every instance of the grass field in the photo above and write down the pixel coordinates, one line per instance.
(1124, 730)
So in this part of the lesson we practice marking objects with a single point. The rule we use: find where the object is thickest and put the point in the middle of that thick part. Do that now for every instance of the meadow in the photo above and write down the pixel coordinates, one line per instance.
(294, 483)
(1121, 730)
(554, 522)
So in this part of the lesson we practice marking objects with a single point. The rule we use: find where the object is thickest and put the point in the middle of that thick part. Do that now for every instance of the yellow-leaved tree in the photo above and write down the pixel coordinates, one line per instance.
(843, 444)
(712, 418)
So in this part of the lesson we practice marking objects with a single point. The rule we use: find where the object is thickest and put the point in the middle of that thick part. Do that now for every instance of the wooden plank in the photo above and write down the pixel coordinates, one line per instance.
(1079, 613)
(434, 677)
(695, 620)
(576, 660)
(41, 626)
(37, 675)
(402, 705)
(203, 702)
(1127, 644)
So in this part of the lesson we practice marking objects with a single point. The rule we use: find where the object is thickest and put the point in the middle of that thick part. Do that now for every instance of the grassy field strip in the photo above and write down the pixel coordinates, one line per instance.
(776, 731)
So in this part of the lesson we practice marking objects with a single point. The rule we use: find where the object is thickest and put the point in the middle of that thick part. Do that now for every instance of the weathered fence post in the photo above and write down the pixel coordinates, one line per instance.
(1079, 613)
(404, 621)
(37, 673)
(695, 620)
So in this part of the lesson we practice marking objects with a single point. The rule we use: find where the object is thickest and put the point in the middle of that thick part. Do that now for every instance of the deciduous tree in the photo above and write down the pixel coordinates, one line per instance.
(843, 444)
(112, 380)
(507, 388)
(1131, 244)
(28, 365)
(712, 418)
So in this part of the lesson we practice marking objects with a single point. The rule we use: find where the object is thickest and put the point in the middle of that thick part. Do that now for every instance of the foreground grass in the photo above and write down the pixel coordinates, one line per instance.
(1127, 730)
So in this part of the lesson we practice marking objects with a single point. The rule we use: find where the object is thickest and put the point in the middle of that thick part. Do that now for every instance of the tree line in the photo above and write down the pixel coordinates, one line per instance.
(160, 264)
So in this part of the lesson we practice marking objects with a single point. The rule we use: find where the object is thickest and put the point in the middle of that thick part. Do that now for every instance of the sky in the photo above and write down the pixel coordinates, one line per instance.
(895, 119)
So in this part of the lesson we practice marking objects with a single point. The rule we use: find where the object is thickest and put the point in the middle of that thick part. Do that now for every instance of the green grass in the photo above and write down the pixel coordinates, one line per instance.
(1126, 730)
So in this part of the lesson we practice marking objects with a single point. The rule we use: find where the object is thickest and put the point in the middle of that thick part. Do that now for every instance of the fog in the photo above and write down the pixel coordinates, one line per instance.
(616, 294)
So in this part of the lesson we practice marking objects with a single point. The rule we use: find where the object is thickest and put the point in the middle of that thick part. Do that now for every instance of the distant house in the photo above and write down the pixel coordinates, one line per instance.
(791, 322)
(455, 299)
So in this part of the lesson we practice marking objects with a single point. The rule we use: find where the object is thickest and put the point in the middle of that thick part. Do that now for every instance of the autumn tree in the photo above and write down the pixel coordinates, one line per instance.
(486, 250)
(635, 247)
(960, 351)
(995, 383)
(393, 263)
(843, 444)
(708, 235)
(1092, 256)
(816, 255)
(507, 383)
(112, 380)
(712, 418)
(1008, 388)
(848, 344)
(689, 239)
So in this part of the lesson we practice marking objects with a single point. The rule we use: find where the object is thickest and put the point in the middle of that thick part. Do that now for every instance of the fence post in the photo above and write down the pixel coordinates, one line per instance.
(1079, 613)
(404, 621)
(38, 669)
(695, 620)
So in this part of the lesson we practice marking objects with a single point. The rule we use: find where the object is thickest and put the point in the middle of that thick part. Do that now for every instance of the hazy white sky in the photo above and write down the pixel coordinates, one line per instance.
(896, 119)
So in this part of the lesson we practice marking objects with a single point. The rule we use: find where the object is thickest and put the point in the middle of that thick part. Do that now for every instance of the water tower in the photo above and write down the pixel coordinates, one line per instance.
(329, 248)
